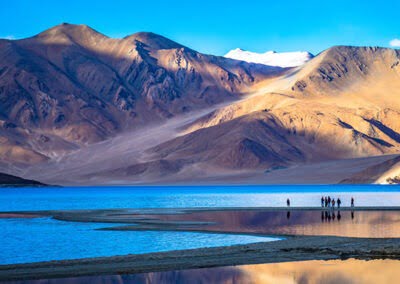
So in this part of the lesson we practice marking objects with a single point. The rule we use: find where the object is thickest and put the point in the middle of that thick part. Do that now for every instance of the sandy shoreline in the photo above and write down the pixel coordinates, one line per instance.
(13, 215)
(292, 248)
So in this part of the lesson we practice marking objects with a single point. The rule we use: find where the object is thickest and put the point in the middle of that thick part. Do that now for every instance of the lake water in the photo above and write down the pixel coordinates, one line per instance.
(45, 239)
(42, 239)
(344, 223)
(20, 199)
(312, 272)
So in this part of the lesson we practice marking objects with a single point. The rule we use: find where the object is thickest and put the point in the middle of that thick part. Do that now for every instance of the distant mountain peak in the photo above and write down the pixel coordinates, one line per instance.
(271, 58)
(154, 40)
(71, 31)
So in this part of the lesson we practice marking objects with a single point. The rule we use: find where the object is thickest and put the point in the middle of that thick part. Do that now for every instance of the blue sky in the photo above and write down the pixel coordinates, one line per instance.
(215, 27)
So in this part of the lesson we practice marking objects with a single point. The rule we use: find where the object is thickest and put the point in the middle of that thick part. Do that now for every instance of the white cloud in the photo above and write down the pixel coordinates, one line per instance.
(395, 42)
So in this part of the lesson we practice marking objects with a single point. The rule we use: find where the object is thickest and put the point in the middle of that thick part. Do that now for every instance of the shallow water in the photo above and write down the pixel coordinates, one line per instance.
(310, 272)
(42, 239)
(345, 223)
(19, 199)
(45, 239)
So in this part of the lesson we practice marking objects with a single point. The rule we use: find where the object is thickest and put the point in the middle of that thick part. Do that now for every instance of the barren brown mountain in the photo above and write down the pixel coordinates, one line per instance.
(87, 109)
(344, 103)
(71, 86)
(387, 172)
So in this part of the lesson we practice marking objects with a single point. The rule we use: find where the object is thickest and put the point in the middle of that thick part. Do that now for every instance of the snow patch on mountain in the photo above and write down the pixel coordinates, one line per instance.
(271, 58)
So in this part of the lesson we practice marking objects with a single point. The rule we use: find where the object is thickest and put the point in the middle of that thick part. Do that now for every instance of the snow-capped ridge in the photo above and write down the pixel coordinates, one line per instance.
(271, 58)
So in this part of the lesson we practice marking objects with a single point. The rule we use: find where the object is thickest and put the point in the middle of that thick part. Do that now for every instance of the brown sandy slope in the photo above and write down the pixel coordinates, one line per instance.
(71, 86)
(387, 172)
(165, 113)
(348, 107)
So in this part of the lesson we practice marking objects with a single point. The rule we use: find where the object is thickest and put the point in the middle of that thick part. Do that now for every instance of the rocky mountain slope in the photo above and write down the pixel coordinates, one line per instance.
(83, 108)
(71, 86)
(343, 104)
(387, 172)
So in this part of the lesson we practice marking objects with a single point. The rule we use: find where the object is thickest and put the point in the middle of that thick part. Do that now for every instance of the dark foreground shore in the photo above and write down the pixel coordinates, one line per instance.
(291, 248)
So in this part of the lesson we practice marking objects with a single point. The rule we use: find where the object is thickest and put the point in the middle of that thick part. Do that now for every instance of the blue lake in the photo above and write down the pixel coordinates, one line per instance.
(20, 199)
(43, 239)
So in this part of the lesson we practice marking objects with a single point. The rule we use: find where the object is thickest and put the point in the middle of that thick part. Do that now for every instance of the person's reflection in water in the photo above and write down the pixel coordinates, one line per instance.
(339, 216)
(352, 215)
(333, 216)
(322, 216)
(329, 216)
(288, 215)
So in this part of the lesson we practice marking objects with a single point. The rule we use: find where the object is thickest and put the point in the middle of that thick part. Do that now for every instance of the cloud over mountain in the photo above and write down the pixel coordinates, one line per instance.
(395, 42)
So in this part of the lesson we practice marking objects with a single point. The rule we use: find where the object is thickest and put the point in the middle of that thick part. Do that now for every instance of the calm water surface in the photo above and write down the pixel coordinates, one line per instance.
(19, 199)
(42, 239)
(310, 272)
(45, 239)
(344, 223)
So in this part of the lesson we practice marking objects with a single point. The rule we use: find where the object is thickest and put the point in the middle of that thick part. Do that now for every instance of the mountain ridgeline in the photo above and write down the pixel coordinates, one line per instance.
(13, 181)
(71, 86)
(164, 112)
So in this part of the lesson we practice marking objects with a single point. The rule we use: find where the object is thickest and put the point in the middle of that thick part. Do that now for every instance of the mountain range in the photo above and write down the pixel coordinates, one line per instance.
(78, 107)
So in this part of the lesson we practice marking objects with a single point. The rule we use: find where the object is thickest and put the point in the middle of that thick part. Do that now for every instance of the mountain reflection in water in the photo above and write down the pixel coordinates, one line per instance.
(310, 272)
(347, 223)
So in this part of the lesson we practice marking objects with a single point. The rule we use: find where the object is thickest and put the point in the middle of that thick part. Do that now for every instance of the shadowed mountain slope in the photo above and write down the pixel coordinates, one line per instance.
(387, 172)
(9, 180)
(71, 86)
(87, 109)
(341, 119)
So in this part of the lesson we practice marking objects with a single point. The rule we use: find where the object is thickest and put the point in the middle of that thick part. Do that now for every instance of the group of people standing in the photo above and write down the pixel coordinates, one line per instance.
(327, 201)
